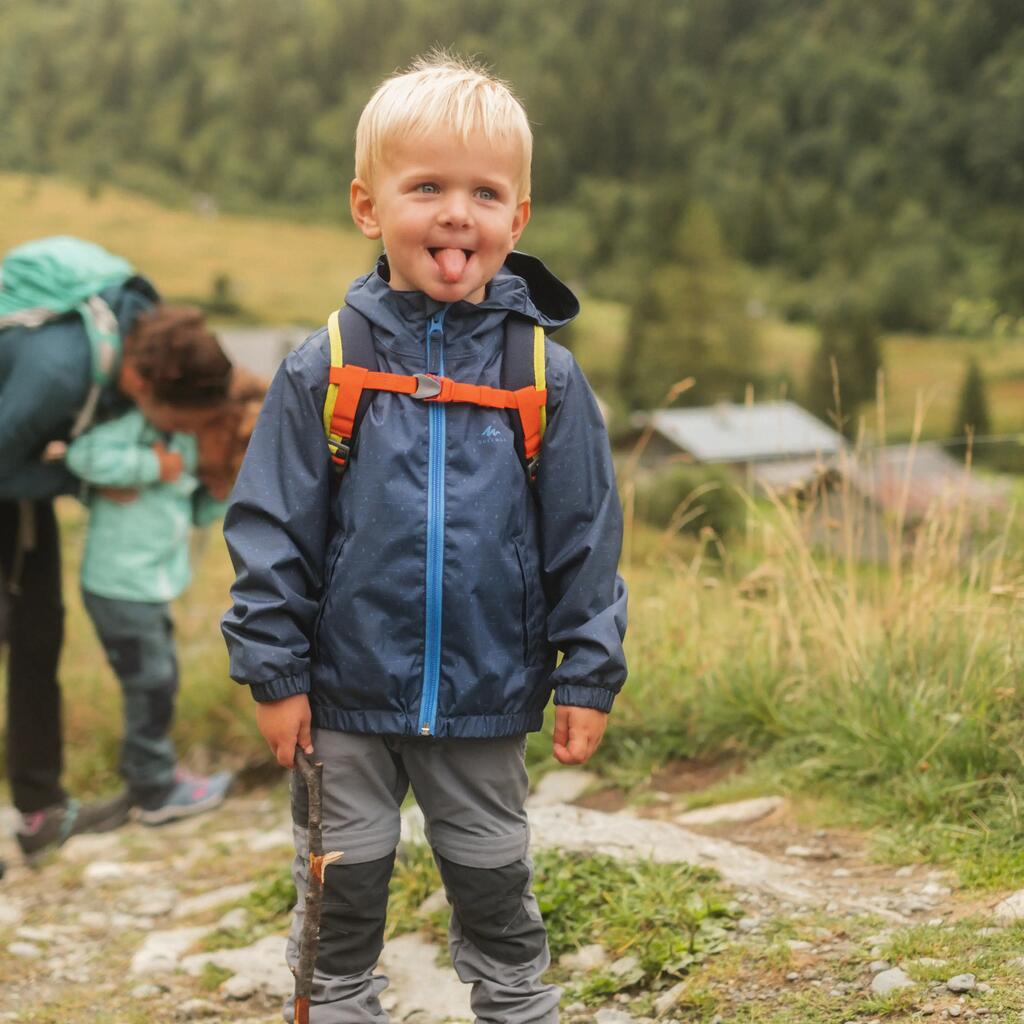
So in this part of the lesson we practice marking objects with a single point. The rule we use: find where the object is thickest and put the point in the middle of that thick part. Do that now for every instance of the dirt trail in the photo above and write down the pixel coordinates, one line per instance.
(110, 930)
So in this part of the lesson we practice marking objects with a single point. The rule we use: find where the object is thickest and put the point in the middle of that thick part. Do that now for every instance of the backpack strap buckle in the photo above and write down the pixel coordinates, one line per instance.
(427, 387)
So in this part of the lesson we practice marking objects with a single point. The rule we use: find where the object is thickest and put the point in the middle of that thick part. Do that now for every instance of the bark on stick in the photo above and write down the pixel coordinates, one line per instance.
(309, 938)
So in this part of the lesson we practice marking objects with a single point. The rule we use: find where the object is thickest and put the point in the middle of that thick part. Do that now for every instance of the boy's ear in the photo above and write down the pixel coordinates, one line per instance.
(364, 209)
(520, 219)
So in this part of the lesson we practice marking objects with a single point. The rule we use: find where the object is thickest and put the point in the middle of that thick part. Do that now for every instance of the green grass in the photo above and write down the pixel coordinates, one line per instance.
(280, 272)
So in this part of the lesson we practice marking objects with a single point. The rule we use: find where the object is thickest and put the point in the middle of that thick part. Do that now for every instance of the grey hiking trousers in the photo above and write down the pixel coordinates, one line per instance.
(471, 792)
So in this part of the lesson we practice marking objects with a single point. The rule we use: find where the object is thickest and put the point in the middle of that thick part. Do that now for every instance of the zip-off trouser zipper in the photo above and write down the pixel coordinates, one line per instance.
(435, 534)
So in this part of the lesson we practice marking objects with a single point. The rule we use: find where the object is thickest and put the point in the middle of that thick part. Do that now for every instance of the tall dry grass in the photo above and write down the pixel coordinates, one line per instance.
(875, 658)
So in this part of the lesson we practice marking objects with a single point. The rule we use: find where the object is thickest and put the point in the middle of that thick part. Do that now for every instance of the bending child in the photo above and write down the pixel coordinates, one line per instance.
(404, 619)
(144, 497)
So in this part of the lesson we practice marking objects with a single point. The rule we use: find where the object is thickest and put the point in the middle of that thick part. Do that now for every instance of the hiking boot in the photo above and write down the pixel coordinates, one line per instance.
(189, 794)
(42, 831)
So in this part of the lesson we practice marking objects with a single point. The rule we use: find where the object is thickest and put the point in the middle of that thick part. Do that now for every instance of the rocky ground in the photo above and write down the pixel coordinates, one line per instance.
(131, 926)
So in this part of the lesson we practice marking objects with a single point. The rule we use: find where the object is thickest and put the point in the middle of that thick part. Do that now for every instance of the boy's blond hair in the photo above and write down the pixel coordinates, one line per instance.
(446, 91)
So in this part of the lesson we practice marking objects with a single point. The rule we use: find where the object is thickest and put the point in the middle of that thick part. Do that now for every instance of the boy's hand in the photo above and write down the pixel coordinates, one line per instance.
(284, 724)
(578, 733)
(171, 463)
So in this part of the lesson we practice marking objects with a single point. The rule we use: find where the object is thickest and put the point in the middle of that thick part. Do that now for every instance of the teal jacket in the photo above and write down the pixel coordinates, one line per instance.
(45, 376)
(139, 550)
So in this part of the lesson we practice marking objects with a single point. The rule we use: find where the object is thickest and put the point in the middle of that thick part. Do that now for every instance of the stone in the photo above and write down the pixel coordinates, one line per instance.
(239, 987)
(88, 847)
(808, 852)
(263, 962)
(930, 961)
(413, 826)
(436, 901)
(24, 950)
(608, 1016)
(740, 811)
(954, 1010)
(927, 1009)
(274, 839)
(669, 999)
(196, 1009)
(624, 836)
(1010, 910)
(841, 873)
(624, 966)
(146, 991)
(793, 976)
(586, 958)
(561, 787)
(211, 900)
(962, 983)
(799, 945)
(117, 871)
(748, 924)
(889, 981)
(906, 871)
(410, 962)
(10, 912)
(984, 987)
(38, 933)
(877, 966)
(161, 951)
(155, 903)
(234, 920)
(94, 920)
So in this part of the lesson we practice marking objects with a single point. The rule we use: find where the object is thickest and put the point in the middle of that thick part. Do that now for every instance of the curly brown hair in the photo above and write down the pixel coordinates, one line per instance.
(172, 348)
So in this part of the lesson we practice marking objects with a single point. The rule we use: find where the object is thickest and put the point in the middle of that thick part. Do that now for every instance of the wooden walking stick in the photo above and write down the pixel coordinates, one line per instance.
(309, 939)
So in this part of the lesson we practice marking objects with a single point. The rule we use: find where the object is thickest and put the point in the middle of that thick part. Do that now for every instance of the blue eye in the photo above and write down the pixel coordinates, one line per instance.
(487, 193)
(428, 187)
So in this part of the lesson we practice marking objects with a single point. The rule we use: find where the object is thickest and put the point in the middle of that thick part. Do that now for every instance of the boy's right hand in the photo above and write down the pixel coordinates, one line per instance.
(171, 463)
(284, 724)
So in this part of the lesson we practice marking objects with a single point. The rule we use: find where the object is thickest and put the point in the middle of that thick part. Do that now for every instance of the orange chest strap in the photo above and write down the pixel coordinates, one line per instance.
(352, 380)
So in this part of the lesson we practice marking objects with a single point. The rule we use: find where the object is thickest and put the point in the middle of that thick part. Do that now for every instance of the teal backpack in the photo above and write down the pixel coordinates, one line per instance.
(52, 277)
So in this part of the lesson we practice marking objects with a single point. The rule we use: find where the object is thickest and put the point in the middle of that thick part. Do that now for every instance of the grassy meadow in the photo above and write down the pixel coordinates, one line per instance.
(893, 689)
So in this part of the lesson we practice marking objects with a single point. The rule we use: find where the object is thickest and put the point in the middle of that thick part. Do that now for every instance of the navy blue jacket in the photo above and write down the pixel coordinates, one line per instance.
(430, 593)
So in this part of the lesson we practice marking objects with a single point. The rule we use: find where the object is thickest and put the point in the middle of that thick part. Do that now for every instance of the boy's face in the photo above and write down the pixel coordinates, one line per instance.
(448, 213)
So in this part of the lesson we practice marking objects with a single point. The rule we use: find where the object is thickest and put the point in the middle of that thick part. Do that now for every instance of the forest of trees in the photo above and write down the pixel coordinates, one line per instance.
(835, 147)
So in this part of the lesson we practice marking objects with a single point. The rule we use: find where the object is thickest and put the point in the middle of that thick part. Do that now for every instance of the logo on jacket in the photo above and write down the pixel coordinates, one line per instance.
(491, 434)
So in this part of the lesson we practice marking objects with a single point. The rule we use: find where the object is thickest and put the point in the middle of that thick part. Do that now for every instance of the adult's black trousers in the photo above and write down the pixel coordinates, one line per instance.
(32, 627)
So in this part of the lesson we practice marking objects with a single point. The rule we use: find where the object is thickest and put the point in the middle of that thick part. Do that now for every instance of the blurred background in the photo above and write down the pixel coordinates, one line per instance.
(744, 190)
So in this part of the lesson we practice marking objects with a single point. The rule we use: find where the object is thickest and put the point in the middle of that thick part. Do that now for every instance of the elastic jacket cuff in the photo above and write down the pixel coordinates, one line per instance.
(285, 686)
(579, 696)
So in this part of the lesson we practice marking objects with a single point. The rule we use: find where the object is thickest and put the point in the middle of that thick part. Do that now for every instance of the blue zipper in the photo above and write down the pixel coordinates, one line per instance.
(435, 538)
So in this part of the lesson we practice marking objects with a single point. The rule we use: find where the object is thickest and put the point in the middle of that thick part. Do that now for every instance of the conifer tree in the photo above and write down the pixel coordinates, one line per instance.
(688, 321)
(972, 411)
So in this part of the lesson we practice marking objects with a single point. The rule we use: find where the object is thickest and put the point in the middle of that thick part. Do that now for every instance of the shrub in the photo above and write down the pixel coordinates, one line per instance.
(690, 498)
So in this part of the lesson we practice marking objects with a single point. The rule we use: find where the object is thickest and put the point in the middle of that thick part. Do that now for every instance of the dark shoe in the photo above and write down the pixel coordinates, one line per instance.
(45, 830)
(190, 794)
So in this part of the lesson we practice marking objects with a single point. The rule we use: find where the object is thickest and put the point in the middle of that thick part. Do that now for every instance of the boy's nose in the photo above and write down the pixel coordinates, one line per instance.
(456, 212)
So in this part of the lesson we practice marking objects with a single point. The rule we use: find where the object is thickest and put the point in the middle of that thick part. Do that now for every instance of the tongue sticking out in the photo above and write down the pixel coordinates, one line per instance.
(452, 263)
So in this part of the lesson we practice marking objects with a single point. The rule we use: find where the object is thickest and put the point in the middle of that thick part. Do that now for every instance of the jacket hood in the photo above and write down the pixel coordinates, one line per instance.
(523, 286)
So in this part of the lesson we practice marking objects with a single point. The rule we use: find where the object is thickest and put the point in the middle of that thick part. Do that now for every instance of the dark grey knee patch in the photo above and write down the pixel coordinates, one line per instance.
(354, 911)
(490, 906)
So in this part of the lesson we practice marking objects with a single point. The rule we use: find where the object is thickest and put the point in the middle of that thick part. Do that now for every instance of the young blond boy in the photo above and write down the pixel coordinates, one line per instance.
(405, 623)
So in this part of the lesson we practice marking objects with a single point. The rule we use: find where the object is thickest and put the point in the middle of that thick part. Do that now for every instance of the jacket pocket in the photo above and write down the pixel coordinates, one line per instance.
(325, 597)
(528, 595)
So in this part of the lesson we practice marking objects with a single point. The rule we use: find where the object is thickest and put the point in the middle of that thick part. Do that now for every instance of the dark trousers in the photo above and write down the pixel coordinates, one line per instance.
(30, 589)
(138, 639)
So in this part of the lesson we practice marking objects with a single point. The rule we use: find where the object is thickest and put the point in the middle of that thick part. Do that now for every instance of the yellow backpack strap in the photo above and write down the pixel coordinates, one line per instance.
(334, 440)
(539, 372)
